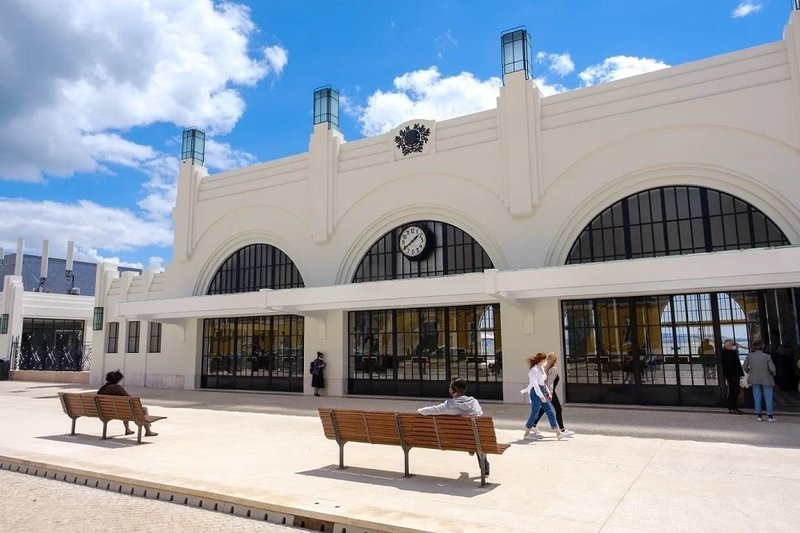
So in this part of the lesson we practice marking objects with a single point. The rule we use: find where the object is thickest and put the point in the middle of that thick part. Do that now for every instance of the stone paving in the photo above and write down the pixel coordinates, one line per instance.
(33, 504)
(625, 470)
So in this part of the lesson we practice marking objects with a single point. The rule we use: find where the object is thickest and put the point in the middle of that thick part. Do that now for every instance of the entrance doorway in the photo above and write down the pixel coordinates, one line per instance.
(416, 352)
(665, 349)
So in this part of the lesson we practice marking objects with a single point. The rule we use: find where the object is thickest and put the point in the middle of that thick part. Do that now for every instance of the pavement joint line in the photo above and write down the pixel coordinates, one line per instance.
(630, 487)
(209, 501)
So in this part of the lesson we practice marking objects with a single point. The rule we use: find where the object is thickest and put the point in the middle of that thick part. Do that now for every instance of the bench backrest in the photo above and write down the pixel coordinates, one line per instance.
(120, 408)
(75, 404)
(114, 407)
(444, 432)
(375, 427)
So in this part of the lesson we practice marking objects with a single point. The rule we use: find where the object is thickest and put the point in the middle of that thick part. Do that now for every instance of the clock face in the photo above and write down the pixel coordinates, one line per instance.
(414, 242)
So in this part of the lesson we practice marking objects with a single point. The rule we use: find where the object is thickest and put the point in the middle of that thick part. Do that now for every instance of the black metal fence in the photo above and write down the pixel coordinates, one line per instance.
(65, 354)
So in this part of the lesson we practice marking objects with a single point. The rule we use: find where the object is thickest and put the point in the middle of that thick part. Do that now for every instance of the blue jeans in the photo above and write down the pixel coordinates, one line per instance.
(537, 404)
(766, 391)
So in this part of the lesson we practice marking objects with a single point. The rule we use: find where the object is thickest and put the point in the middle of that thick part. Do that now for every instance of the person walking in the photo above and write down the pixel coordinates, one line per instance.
(317, 370)
(762, 378)
(551, 381)
(540, 395)
(459, 404)
(113, 388)
(732, 370)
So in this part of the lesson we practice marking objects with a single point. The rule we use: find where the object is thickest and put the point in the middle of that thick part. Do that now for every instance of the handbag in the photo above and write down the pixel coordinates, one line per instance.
(744, 381)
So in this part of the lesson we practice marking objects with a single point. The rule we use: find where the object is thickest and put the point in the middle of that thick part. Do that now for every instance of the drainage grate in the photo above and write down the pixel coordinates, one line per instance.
(304, 522)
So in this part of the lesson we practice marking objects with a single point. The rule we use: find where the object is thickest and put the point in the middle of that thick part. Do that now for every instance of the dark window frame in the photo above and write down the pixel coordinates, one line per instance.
(255, 267)
(113, 337)
(4, 324)
(453, 252)
(133, 334)
(674, 220)
(97, 319)
(154, 337)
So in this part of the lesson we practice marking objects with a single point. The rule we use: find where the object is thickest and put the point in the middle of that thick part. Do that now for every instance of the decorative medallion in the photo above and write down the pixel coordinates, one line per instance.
(410, 139)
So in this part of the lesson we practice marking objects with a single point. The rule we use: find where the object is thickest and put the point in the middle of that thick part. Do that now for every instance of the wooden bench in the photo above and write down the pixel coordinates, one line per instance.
(411, 430)
(106, 408)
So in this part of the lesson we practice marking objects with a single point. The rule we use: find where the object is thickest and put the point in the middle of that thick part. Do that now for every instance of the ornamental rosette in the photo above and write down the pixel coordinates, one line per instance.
(412, 139)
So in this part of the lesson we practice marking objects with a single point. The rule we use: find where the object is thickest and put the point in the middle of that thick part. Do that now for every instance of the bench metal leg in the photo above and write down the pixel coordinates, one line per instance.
(405, 452)
(341, 455)
(139, 436)
(482, 465)
(73, 426)
(105, 426)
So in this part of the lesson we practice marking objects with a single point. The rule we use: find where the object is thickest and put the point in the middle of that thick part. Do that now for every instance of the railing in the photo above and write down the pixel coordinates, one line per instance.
(64, 357)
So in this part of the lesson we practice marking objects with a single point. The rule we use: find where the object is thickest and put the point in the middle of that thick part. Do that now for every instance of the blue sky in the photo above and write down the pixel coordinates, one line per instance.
(94, 94)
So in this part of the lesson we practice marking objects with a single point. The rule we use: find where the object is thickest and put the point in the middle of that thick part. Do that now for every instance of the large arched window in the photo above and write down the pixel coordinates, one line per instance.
(672, 221)
(449, 250)
(254, 267)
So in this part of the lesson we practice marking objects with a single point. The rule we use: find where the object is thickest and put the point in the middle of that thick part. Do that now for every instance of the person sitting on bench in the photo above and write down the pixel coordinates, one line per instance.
(113, 388)
(457, 404)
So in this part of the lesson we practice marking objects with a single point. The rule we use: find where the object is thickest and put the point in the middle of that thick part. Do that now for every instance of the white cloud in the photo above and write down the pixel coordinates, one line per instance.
(426, 94)
(560, 64)
(619, 67)
(276, 57)
(91, 226)
(77, 73)
(549, 89)
(222, 156)
(746, 8)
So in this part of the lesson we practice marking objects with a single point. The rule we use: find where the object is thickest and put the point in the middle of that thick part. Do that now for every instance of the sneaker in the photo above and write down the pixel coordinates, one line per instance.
(567, 433)
(771, 418)
(561, 436)
(759, 419)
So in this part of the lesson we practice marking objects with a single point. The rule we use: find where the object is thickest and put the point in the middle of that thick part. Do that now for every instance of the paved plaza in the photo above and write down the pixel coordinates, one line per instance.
(625, 470)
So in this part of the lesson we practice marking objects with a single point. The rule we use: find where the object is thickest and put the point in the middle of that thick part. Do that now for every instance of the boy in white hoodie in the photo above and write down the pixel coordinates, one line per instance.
(457, 404)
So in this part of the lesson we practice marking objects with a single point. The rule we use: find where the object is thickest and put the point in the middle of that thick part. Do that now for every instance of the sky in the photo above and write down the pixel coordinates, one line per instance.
(94, 94)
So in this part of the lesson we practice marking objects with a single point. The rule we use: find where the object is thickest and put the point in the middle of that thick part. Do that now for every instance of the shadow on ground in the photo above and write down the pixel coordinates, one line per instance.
(89, 440)
(464, 485)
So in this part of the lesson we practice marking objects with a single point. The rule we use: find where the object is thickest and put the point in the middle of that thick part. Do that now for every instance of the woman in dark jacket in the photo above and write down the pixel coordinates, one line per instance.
(732, 370)
(318, 373)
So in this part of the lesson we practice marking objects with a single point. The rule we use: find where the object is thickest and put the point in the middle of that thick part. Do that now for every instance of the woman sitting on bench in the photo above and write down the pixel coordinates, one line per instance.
(113, 388)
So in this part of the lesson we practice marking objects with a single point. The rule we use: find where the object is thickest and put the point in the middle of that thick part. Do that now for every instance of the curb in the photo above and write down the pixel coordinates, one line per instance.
(209, 501)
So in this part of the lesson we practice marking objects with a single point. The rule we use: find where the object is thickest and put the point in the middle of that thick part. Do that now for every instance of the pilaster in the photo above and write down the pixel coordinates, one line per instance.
(184, 213)
(791, 36)
(519, 123)
(323, 155)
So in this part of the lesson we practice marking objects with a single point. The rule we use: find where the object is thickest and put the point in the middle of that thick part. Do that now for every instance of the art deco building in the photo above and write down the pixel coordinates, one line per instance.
(631, 227)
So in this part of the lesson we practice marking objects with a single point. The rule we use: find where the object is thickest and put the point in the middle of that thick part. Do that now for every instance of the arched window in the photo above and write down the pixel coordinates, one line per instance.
(446, 250)
(672, 221)
(254, 267)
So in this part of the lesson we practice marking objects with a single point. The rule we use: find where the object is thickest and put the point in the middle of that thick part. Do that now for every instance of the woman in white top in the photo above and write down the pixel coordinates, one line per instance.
(540, 394)
(551, 369)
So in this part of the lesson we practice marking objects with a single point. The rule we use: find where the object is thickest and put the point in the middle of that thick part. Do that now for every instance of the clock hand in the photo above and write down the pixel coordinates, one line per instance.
(407, 246)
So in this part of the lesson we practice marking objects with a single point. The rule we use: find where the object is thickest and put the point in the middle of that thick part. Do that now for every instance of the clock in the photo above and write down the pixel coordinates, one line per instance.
(414, 242)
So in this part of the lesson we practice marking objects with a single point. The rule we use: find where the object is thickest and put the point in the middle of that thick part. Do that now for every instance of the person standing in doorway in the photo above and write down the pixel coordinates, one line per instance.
(732, 370)
(762, 378)
(708, 358)
(540, 395)
(459, 404)
(317, 370)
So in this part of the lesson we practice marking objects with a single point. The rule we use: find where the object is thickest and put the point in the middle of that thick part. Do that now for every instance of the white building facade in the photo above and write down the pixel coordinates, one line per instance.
(630, 227)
